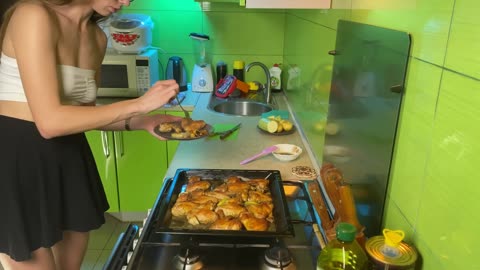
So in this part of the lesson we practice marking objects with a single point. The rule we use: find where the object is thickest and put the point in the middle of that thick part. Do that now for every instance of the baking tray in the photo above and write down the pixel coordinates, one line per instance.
(281, 226)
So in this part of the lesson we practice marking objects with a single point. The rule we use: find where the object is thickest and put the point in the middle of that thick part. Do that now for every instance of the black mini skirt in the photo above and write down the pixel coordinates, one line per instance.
(47, 186)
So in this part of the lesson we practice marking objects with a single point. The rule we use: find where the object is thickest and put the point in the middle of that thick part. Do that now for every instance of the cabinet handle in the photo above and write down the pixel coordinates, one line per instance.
(119, 143)
(106, 150)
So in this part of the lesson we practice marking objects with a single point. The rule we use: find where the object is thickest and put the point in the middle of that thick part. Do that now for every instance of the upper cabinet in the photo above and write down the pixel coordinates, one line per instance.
(300, 4)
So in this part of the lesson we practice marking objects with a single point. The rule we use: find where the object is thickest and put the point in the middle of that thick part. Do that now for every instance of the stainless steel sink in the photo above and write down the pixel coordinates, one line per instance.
(240, 107)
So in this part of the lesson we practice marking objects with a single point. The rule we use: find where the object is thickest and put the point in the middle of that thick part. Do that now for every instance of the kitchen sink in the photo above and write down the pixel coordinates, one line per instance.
(240, 107)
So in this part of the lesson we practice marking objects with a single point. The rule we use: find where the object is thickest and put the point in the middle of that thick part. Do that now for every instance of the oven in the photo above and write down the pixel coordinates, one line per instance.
(150, 247)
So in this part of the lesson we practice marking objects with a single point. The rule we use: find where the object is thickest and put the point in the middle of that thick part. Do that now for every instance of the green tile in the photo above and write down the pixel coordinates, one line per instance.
(170, 5)
(428, 23)
(90, 259)
(245, 33)
(394, 219)
(99, 238)
(448, 216)
(427, 260)
(463, 51)
(413, 142)
(102, 259)
(326, 17)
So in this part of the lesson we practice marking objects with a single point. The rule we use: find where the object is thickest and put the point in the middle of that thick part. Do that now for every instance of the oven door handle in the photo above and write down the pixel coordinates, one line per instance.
(122, 250)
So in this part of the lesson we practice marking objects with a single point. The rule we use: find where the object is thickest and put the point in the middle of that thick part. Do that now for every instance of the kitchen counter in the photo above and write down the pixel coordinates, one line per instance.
(212, 153)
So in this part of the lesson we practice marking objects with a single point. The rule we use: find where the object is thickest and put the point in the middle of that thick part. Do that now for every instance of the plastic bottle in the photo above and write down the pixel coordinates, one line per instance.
(343, 252)
(275, 78)
(222, 70)
(239, 70)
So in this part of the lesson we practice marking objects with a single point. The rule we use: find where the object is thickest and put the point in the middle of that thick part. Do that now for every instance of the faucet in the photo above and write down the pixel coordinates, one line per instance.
(267, 74)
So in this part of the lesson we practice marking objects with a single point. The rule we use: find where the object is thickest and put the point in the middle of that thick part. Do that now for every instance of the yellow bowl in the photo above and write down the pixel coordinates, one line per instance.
(287, 152)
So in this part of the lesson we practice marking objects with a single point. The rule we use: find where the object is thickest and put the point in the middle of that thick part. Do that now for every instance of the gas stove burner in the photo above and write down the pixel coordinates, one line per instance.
(187, 259)
(278, 258)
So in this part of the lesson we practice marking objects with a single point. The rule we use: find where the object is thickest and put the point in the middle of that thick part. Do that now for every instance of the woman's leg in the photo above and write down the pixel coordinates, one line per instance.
(70, 251)
(42, 259)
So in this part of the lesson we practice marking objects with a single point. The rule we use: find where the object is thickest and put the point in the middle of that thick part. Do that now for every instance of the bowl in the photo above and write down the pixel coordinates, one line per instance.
(287, 152)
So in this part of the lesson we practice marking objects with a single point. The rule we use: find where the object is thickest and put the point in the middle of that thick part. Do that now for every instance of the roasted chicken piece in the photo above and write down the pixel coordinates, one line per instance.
(230, 209)
(259, 184)
(260, 210)
(202, 198)
(183, 197)
(251, 223)
(192, 126)
(200, 185)
(219, 195)
(201, 216)
(180, 209)
(233, 179)
(257, 196)
(194, 178)
(226, 223)
(238, 187)
(170, 127)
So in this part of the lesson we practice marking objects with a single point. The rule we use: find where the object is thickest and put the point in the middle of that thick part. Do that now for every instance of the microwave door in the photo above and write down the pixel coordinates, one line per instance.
(118, 78)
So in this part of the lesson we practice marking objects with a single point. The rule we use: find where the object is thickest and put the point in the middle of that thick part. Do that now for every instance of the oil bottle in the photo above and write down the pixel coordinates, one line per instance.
(344, 252)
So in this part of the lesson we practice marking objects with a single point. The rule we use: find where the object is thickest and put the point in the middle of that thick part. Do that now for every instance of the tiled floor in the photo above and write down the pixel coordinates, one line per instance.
(101, 243)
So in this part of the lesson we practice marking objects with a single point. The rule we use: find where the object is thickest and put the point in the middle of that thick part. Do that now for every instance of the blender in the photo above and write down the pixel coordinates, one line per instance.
(202, 78)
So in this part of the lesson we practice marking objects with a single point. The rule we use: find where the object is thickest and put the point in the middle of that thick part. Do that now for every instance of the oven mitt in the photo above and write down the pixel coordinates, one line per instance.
(224, 127)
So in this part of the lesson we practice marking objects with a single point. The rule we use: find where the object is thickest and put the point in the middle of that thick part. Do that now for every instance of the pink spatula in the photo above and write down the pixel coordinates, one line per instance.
(264, 152)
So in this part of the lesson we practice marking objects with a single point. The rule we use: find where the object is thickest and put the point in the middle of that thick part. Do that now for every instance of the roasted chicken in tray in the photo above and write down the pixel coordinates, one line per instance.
(230, 204)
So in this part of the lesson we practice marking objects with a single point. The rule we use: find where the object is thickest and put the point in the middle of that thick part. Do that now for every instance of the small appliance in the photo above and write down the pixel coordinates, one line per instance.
(176, 70)
(128, 75)
(131, 33)
(202, 77)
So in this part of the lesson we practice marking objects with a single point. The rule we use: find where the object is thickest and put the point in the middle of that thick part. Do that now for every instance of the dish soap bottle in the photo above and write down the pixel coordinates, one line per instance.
(343, 252)
(275, 78)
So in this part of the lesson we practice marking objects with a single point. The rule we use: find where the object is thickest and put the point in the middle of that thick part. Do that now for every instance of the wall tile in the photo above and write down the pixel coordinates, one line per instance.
(246, 33)
(396, 220)
(413, 143)
(462, 54)
(428, 24)
(448, 215)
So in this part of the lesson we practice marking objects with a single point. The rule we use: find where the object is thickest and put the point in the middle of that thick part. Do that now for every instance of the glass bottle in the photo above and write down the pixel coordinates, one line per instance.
(344, 252)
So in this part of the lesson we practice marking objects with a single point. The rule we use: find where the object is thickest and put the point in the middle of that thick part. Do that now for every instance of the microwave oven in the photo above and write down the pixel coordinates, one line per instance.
(128, 75)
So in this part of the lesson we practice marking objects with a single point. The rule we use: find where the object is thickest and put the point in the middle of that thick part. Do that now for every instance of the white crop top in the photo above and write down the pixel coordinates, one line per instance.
(79, 84)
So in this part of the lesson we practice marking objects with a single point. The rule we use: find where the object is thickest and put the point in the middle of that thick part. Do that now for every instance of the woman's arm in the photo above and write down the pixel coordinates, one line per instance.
(35, 36)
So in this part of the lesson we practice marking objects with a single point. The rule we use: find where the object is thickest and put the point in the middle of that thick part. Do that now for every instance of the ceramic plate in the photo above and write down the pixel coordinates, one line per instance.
(278, 133)
(170, 136)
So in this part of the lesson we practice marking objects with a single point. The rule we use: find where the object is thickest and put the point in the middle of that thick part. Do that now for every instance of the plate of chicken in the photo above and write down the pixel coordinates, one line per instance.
(186, 129)
(236, 203)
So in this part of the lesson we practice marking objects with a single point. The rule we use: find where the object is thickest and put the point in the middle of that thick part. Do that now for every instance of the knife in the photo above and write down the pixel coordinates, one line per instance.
(227, 133)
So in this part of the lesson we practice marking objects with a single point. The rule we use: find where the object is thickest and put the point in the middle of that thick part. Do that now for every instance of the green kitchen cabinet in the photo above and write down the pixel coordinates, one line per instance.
(172, 145)
(132, 166)
(103, 151)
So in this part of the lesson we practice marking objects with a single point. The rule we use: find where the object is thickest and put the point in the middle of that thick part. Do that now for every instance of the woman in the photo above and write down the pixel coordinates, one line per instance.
(50, 192)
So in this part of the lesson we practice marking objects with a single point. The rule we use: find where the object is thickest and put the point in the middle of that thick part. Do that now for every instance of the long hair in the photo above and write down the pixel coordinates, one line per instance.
(8, 14)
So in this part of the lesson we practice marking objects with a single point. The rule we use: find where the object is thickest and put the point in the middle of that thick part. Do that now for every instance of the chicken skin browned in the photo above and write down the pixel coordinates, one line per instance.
(201, 216)
(219, 195)
(260, 210)
(194, 178)
(230, 209)
(259, 184)
(257, 196)
(202, 198)
(180, 209)
(199, 185)
(226, 223)
(251, 223)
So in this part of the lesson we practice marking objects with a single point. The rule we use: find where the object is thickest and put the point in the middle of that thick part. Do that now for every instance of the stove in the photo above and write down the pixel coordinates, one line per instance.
(144, 248)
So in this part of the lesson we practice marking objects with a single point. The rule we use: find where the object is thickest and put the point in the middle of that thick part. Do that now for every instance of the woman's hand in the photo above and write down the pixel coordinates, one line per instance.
(149, 122)
(158, 95)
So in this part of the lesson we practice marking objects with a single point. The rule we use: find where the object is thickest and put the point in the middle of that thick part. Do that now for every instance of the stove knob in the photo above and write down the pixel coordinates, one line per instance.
(129, 256)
